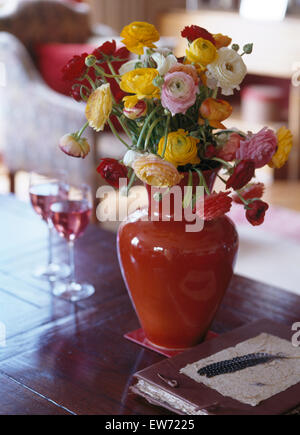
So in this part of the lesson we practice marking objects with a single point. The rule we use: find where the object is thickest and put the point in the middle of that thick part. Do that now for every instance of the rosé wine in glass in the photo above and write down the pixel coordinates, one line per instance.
(70, 217)
(42, 196)
(44, 190)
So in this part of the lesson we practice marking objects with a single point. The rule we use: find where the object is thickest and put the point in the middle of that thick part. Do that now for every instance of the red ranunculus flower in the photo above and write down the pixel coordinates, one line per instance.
(109, 48)
(111, 170)
(256, 213)
(210, 151)
(228, 151)
(75, 93)
(242, 174)
(254, 190)
(215, 205)
(195, 32)
(75, 68)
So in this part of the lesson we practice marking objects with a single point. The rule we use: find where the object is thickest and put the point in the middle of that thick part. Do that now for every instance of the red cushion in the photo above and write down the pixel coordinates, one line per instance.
(51, 58)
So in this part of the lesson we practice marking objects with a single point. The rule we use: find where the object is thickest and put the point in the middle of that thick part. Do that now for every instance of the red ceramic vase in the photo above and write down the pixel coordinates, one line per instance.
(176, 279)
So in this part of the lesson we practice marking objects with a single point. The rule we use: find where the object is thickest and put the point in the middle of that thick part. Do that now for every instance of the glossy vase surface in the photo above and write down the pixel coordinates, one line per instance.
(176, 279)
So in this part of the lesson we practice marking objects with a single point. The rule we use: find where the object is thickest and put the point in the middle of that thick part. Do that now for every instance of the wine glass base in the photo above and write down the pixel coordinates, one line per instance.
(73, 292)
(52, 272)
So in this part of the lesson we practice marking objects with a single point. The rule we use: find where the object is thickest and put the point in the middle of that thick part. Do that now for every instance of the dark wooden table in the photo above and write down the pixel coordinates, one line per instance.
(65, 358)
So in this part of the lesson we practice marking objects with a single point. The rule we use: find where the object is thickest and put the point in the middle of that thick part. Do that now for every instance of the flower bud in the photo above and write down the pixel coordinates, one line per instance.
(90, 60)
(248, 48)
(137, 111)
(74, 147)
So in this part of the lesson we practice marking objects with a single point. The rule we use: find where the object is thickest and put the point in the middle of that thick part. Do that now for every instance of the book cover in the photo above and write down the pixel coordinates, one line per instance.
(271, 388)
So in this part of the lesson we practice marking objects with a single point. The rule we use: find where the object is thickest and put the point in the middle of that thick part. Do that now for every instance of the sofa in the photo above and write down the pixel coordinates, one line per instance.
(37, 37)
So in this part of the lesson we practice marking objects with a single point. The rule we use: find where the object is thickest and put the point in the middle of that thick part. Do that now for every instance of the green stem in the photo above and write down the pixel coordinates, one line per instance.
(113, 72)
(151, 128)
(224, 163)
(92, 83)
(215, 93)
(202, 178)
(146, 125)
(124, 127)
(79, 133)
(104, 74)
(241, 198)
(116, 134)
(131, 181)
(166, 136)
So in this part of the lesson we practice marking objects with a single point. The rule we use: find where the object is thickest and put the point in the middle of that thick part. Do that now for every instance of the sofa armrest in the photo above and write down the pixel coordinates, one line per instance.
(34, 117)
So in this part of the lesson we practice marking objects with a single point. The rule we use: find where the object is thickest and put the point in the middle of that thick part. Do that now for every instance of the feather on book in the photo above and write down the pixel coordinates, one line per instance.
(251, 370)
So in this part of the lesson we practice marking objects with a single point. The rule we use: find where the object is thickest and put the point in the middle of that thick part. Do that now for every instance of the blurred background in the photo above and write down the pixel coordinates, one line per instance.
(37, 37)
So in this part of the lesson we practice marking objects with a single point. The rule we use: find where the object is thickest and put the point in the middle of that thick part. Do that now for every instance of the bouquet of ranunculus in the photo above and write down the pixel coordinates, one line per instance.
(169, 109)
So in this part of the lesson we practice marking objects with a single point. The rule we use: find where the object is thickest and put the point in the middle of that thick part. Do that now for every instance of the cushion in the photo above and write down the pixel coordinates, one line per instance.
(51, 58)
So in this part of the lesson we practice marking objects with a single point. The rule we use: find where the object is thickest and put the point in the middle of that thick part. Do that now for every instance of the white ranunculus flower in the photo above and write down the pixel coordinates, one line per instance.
(130, 157)
(128, 66)
(227, 71)
(163, 62)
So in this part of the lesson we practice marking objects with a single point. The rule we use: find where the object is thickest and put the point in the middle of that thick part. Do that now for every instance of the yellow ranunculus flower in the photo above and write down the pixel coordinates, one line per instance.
(285, 143)
(201, 51)
(139, 82)
(99, 107)
(155, 171)
(181, 149)
(138, 35)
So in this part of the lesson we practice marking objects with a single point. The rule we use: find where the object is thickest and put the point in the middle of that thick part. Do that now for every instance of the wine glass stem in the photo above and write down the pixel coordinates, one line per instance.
(50, 243)
(72, 262)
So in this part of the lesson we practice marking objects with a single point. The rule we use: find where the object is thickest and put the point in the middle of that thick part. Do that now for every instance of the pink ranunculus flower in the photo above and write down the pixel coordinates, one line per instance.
(179, 92)
(259, 147)
(188, 69)
(228, 152)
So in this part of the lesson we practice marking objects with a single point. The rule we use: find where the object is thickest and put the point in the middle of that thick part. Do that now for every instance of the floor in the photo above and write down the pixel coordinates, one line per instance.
(267, 256)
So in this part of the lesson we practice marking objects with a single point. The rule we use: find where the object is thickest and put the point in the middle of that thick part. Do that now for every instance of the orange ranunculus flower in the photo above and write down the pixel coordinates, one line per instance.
(138, 35)
(221, 40)
(155, 171)
(215, 111)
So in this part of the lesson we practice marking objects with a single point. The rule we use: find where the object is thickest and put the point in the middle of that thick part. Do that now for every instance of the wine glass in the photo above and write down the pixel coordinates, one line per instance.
(70, 218)
(44, 190)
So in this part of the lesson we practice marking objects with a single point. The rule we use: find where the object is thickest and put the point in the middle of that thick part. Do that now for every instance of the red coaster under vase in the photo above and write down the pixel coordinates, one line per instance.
(138, 337)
